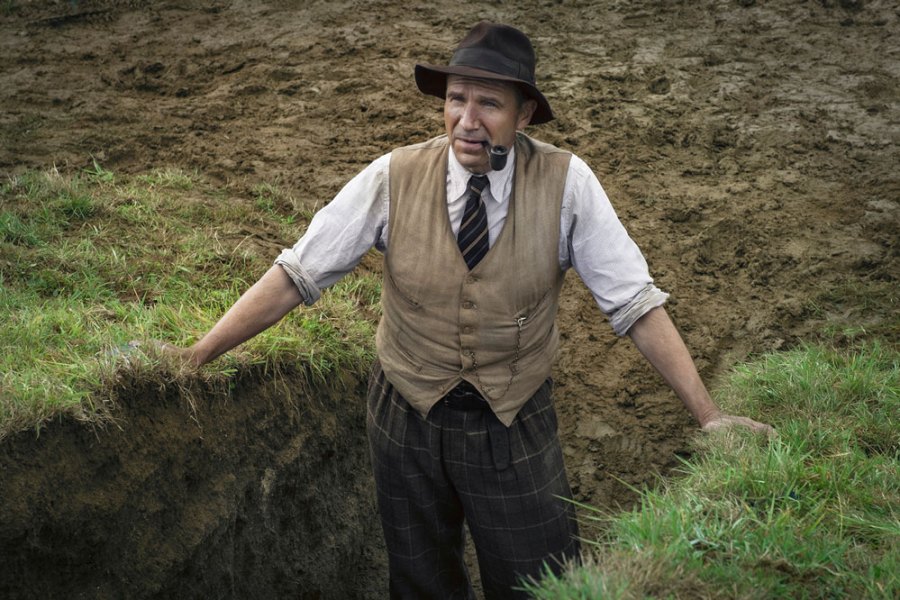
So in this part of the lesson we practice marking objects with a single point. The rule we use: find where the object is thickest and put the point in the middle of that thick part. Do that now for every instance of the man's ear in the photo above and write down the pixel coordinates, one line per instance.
(525, 113)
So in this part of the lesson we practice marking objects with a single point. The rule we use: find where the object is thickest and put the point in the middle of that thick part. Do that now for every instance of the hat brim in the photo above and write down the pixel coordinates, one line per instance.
(432, 80)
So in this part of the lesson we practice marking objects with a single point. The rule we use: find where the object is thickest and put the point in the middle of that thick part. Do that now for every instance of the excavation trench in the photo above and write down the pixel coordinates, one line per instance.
(748, 147)
(261, 492)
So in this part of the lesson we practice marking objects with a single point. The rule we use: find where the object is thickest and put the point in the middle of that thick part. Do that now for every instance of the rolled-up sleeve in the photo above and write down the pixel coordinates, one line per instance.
(595, 243)
(340, 234)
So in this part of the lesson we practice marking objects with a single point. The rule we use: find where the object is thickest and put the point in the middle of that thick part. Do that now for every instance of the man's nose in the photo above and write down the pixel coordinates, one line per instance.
(470, 118)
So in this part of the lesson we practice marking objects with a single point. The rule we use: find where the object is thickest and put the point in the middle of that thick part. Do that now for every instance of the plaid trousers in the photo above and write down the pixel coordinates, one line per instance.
(508, 484)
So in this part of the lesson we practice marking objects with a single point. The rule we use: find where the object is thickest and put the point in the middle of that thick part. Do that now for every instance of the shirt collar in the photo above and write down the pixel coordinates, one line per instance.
(500, 181)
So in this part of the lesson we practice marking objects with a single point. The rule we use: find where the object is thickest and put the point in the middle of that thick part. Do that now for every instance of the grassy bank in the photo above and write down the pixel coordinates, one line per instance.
(91, 261)
(814, 513)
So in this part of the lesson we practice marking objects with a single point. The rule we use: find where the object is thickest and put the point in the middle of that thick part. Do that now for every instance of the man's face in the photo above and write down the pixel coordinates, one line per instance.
(481, 111)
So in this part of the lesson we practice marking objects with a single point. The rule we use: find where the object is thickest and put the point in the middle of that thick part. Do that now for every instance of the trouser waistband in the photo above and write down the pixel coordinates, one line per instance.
(465, 396)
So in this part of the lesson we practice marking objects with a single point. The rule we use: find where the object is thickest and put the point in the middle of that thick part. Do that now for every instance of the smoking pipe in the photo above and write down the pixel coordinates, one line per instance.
(498, 156)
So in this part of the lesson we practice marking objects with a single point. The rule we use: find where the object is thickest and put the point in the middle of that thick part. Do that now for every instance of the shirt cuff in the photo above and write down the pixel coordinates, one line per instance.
(648, 298)
(287, 260)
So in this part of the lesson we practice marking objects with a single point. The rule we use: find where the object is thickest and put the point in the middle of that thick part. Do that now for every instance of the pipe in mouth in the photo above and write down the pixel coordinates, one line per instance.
(498, 156)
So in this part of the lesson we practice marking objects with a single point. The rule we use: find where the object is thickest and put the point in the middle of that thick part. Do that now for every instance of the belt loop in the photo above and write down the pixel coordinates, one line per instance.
(498, 433)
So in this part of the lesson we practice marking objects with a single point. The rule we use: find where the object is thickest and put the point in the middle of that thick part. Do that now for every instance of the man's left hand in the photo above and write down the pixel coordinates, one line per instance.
(726, 421)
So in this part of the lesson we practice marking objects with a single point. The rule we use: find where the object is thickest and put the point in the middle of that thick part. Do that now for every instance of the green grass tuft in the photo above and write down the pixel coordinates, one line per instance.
(92, 261)
(814, 513)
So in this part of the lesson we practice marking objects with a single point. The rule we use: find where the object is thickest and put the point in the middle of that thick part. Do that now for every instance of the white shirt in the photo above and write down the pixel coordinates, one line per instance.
(592, 239)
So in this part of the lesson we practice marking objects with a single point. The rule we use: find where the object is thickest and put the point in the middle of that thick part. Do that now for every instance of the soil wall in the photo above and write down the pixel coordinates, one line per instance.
(260, 492)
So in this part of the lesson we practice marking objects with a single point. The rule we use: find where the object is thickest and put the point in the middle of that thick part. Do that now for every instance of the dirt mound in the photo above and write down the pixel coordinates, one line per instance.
(750, 148)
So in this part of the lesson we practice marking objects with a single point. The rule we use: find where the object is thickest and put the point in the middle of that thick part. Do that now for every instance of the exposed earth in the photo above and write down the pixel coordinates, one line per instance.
(751, 149)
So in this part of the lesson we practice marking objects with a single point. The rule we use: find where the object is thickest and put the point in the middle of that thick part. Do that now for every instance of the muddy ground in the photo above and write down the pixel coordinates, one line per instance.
(750, 147)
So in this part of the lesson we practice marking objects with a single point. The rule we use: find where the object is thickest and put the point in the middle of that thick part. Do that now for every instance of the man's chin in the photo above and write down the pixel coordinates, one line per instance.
(476, 163)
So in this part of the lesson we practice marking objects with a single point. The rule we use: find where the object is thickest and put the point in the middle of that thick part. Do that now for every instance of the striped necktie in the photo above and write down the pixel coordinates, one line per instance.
(473, 232)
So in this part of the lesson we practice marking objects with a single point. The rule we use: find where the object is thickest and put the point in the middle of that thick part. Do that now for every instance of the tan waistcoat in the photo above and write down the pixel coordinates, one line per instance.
(494, 326)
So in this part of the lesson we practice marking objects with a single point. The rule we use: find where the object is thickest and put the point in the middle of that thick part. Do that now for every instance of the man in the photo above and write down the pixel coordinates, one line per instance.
(461, 423)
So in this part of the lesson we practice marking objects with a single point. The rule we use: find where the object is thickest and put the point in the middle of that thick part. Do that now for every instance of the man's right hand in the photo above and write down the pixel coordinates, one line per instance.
(186, 356)
(260, 307)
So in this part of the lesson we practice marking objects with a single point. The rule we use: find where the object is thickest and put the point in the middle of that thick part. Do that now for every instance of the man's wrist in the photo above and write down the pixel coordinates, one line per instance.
(708, 416)
(197, 355)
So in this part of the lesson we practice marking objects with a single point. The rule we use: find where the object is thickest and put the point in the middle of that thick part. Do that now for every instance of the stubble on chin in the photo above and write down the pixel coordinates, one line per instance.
(472, 162)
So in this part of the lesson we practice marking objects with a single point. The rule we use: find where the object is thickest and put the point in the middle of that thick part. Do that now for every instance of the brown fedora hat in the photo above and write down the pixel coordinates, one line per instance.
(490, 51)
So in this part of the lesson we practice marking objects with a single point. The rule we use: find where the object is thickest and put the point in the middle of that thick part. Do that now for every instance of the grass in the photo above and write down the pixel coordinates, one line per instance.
(91, 261)
(815, 513)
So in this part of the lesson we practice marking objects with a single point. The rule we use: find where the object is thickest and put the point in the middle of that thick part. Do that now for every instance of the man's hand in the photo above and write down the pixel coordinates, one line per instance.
(724, 421)
(260, 307)
(659, 341)
(185, 356)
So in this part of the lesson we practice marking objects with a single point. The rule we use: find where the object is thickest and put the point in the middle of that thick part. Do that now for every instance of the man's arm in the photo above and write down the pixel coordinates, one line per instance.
(658, 340)
(336, 239)
(260, 307)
